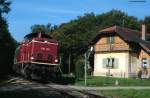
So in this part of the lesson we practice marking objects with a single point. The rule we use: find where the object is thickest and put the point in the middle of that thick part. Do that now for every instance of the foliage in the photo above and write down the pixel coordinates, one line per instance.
(110, 81)
(4, 6)
(42, 28)
(79, 69)
(7, 43)
(147, 23)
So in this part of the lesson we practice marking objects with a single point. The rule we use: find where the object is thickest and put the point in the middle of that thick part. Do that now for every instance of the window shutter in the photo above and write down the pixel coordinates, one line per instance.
(110, 63)
(116, 62)
(148, 62)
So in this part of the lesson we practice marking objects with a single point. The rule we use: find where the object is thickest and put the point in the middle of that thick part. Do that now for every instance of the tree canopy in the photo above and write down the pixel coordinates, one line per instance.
(7, 43)
(147, 23)
(4, 6)
(37, 28)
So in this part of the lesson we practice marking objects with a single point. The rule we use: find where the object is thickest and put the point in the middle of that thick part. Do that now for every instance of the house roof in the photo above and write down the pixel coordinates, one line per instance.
(127, 34)
(145, 45)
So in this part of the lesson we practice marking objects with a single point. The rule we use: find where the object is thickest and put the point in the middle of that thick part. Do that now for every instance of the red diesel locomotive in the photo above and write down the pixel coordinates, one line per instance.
(37, 57)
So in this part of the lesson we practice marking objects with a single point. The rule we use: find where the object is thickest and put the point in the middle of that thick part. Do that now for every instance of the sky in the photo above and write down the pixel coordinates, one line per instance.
(26, 13)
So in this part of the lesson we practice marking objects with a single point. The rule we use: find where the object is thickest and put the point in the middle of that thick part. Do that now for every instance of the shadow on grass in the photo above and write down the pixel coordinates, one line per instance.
(65, 80)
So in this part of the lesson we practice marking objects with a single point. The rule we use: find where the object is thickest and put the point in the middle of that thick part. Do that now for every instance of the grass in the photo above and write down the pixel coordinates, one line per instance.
(127, 93)
(109, 81)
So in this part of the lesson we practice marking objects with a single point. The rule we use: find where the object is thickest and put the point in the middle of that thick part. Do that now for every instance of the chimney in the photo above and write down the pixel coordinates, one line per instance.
(143, 31)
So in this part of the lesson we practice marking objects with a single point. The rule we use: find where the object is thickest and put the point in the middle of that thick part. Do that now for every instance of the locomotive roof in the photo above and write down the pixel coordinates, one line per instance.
(34, 35)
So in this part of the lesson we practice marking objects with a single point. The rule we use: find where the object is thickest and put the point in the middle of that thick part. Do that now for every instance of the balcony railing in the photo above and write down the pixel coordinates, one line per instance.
(112, 47)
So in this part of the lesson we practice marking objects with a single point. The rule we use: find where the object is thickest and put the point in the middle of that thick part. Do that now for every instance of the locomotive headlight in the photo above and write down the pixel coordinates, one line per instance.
(31, 58)
(56, 60)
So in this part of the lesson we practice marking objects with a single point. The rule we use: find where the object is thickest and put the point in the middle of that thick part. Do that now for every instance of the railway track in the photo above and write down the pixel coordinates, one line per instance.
(76, 93)
(64, 90)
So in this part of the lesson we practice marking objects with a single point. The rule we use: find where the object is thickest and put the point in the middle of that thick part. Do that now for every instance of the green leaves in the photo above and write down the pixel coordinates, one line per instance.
(4, 6)
(42, 28)
(147, 23)
(7, 43)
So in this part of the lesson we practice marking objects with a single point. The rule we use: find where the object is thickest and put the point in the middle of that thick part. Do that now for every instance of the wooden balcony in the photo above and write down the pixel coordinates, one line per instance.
(112, 47)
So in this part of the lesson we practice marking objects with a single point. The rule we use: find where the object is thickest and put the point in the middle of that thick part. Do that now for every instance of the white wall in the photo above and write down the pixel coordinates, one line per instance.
(123, 62)
(135, 65)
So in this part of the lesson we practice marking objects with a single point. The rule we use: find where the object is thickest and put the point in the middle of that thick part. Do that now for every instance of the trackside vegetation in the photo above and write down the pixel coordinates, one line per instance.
(126, 93)
(110, 81)
(7, 42)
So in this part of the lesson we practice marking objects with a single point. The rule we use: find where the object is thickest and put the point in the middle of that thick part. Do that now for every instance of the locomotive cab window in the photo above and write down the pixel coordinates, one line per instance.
(16, 54)
(40, 40)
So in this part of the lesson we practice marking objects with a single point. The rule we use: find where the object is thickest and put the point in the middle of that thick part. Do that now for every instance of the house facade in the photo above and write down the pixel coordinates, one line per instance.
(120, 52)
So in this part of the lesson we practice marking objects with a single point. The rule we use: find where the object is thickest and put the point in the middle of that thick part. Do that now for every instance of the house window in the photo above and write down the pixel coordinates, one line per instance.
(144, 62)
(110, 39)
(110, 62)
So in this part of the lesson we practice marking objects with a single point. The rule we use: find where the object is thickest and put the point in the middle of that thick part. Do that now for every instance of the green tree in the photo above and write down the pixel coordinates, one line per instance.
(4, 6)
(147, 23)
(7, 43)
(79, 69)
(42, 28)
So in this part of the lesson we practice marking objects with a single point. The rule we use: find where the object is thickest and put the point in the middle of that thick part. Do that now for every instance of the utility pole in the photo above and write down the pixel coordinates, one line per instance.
(85, 72)
(86, 56)
(123, 21)
(69, 62)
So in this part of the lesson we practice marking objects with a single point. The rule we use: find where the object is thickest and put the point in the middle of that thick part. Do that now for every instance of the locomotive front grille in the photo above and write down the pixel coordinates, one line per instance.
(39, 56)
(46, 58)
(49, 57)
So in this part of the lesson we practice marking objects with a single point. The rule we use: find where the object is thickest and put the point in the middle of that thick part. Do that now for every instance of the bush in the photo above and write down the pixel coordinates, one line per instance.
(79, 68)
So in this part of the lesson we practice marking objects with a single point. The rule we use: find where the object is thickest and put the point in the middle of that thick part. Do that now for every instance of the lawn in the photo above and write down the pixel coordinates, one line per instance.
(127, 93)
(109, 81)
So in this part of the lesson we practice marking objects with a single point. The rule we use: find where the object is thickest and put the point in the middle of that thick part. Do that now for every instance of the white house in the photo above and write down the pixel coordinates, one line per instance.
(120, 52)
